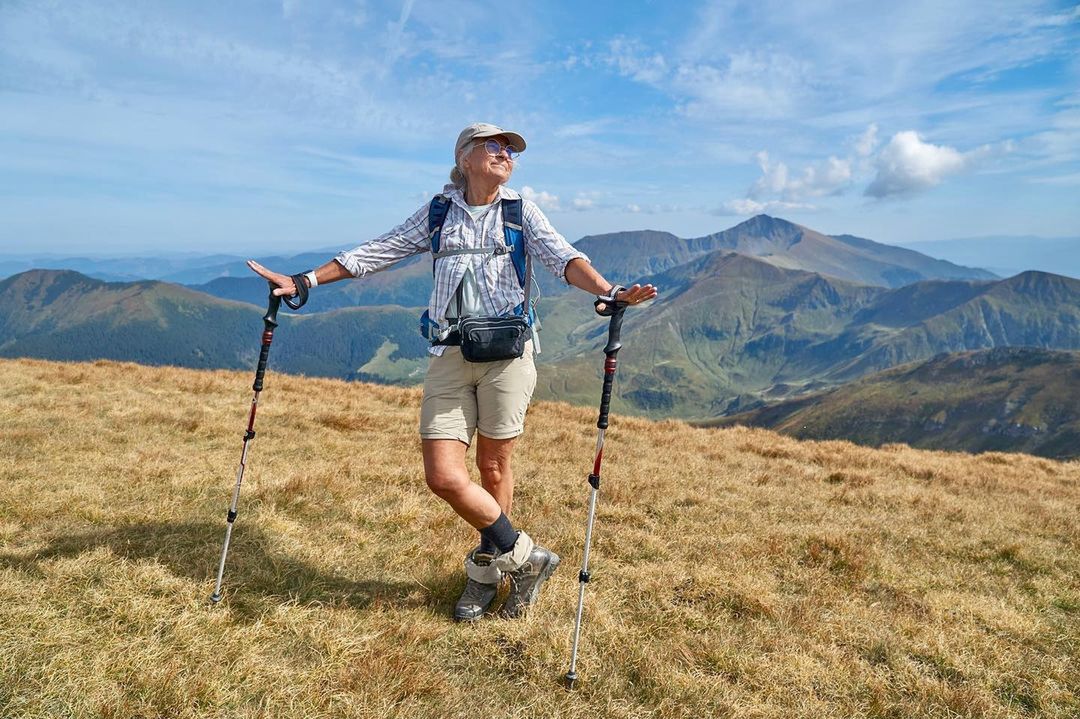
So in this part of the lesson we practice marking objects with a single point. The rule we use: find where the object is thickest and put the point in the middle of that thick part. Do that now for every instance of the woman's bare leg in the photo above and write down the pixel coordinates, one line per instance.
(447, 477)
(493, 461)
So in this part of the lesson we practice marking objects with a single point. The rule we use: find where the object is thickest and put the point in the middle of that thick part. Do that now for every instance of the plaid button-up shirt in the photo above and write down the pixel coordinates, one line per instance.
(500, 291)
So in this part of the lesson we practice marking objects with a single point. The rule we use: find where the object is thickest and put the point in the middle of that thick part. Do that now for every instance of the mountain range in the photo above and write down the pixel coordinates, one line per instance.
(765, 311)
(732, 332)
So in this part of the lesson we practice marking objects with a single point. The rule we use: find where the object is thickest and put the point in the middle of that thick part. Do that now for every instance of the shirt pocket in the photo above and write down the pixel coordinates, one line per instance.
(450, 237)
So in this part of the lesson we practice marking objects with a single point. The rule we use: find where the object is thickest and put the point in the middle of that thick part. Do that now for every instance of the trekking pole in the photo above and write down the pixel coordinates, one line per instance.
(269, 323)
(614, 310)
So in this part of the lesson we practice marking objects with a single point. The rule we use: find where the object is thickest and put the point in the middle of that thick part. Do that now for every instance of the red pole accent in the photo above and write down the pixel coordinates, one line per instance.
(268, 337)
(596, 464)
(251, 417)
(609, 365)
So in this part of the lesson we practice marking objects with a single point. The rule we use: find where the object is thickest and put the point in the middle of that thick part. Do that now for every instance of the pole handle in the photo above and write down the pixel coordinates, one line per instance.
(270, 318)
(614, 329)
(269, 323)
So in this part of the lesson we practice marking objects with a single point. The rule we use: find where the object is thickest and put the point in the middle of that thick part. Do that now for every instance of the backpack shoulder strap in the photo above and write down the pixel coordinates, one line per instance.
(437, 211)
(515, 237)
(514, 234)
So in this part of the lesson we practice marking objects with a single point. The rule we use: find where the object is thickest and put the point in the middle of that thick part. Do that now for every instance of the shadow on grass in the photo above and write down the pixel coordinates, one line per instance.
(257, 576)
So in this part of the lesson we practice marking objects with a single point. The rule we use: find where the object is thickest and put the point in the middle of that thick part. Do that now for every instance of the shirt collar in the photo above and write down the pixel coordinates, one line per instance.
(455, 194)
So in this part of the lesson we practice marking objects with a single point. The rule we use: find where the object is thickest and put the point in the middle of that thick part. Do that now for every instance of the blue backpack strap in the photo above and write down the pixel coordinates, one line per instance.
(437, 211)
(514, 236)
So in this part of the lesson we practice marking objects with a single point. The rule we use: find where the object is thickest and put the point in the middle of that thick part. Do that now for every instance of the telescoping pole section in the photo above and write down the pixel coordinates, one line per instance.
(610, 364)
(269, 324)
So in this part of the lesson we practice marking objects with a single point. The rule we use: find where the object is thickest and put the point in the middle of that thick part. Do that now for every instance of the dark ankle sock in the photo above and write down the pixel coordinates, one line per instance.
(501, 534)
(487, 546)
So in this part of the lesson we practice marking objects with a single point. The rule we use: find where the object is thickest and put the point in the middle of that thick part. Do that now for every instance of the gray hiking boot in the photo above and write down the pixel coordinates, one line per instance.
(480, 589)
(526, 580)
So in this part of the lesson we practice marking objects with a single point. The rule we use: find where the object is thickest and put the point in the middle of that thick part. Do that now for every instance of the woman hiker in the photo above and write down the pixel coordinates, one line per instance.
(472, 227)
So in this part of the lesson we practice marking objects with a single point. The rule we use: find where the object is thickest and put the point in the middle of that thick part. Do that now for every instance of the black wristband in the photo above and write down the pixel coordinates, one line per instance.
(301, 293)
(611, 305)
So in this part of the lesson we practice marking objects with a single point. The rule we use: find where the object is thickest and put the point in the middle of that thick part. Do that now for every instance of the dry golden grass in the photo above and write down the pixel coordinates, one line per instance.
(737, 572)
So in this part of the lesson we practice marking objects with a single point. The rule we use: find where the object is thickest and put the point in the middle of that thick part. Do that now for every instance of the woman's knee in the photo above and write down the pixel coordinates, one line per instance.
(493, 467)
(493, 458)
(445, 482)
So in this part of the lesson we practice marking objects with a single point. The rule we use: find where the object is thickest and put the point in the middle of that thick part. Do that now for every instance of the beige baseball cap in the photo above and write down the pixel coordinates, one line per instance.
(480, 130)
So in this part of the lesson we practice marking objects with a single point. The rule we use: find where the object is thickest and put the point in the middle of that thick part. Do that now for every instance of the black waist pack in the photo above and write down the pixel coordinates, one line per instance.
(490, 339)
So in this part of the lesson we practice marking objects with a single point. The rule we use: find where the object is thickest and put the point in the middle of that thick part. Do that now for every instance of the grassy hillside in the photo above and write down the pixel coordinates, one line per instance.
(737, 573)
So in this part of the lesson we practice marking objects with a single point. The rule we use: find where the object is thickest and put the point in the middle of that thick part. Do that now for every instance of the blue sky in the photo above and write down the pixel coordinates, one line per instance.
(256, 127)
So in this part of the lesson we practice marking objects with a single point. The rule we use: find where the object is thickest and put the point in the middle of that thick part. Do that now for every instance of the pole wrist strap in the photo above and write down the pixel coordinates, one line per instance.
(611, 305)
(300, 299)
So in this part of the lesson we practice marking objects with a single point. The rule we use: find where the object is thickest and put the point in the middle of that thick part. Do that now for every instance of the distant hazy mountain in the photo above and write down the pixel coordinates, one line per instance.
(1008, 255)
(407, 283)
(1008, 399)
(118, 269)
(185, 269)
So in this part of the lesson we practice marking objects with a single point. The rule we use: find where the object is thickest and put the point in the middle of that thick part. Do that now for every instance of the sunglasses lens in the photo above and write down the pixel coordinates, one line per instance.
(494, 148)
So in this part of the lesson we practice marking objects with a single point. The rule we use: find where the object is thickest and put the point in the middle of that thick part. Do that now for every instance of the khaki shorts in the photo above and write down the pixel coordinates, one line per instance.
(462, 397)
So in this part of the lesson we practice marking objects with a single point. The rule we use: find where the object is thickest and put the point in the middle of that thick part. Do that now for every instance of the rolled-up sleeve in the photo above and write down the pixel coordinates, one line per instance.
(545, 244)
(407, 239)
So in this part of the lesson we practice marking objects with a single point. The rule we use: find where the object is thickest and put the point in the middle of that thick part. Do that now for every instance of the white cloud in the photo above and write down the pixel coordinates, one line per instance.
(752, 81)
(631, 59)
(545, 200)
(908, 164)
(747, 206)
(828, 177)
(583, 203)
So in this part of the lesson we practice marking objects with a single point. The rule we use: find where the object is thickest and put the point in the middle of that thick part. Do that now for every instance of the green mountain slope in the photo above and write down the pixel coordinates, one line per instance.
(66, 316)
(1008, 399)
(732, 332)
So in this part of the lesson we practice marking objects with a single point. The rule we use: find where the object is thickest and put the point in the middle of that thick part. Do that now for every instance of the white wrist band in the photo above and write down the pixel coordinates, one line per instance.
(312, 281)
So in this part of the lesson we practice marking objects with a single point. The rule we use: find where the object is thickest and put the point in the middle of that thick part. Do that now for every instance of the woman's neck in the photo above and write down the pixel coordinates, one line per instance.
(476, 194)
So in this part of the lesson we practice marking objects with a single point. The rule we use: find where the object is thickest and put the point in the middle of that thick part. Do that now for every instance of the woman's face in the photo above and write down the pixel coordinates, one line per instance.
(481, 167)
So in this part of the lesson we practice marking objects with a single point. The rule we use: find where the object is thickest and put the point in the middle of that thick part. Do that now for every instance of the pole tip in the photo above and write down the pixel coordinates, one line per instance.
(215, 597)
(571, 677)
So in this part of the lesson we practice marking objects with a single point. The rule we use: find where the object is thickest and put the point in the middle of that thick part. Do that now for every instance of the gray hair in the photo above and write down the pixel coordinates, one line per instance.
(457, 175)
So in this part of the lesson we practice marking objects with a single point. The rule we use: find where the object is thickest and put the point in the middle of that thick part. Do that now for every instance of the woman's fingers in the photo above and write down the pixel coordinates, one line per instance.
(285, 286)
(637, 294)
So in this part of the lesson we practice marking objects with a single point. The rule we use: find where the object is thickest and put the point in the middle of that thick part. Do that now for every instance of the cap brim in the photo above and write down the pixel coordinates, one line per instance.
(516, 141)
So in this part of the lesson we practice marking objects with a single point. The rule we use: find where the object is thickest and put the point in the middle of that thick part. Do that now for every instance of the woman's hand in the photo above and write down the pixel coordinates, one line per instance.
(631, 296)
(636, 294)
(283, 284)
